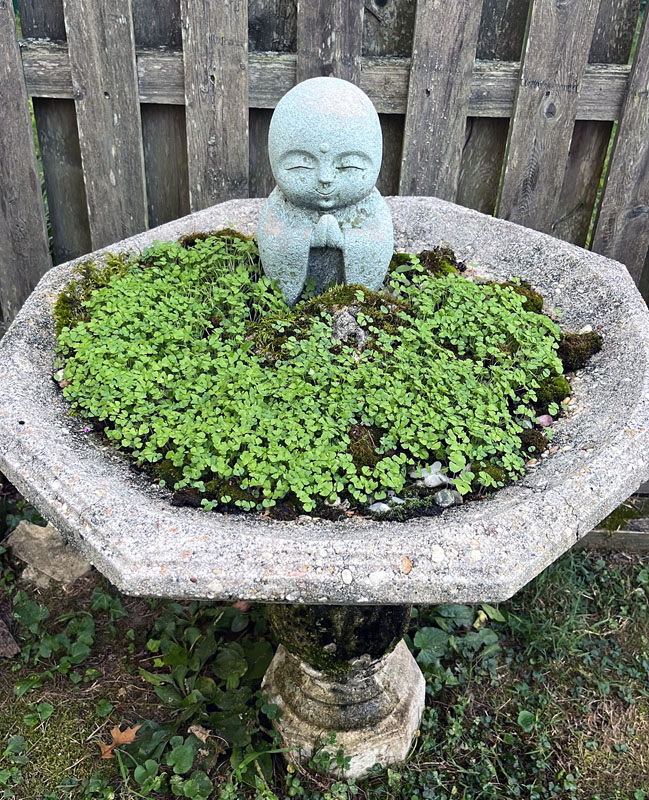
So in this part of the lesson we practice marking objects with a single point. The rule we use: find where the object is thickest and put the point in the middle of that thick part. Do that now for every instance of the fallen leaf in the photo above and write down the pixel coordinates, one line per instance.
(200, 732)
(119, 737)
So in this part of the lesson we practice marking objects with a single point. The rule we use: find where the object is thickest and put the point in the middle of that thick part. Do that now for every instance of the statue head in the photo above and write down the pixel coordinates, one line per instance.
(325, 144)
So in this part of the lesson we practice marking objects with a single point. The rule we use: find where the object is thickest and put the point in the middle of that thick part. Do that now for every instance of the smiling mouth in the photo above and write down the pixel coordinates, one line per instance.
(325, 194)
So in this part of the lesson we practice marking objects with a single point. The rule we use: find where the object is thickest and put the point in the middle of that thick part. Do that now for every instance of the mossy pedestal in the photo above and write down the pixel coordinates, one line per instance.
(345, 670)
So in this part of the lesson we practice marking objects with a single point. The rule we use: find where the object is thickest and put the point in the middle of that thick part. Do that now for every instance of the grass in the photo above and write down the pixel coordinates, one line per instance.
(546, 696)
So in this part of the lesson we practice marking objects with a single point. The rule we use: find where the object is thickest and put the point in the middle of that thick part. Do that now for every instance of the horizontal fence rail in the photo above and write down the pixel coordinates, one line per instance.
(146, 109)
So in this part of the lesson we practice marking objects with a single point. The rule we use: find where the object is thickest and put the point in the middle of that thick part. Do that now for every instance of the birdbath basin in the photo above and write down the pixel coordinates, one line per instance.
(344, 582)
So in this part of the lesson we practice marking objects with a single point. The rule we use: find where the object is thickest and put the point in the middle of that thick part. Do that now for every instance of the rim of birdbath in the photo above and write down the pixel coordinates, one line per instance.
(482, 551)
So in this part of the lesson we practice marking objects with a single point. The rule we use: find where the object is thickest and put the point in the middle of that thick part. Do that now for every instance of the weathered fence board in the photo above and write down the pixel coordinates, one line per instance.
(502, 31)
(271, 75)
(622, 230)
(329, 39)
(554, 59)
(24, 254)
(625, 541)
(58, 138)
(215, 47)
(272, 26)
(388, 27)
(611, 44)
(443, 53)
(156, 23)
(102, 60)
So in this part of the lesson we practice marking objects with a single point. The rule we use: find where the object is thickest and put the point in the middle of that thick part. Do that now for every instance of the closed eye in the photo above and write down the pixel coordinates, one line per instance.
(299, 166)
(351, 166)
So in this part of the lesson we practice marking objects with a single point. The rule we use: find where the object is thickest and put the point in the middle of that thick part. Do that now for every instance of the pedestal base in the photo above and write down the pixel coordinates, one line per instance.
(374, 710)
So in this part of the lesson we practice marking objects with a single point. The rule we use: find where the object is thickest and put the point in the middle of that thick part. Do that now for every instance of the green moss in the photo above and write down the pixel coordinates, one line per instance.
(534, 441)
(70, 307)
(189, 239)
(329, 638)
(419, 502)
(55, 747)
(486, 475)
(533, 300)
(165, 471)
(439, 261)
(576, 348)
(362, 446)
(552, 390)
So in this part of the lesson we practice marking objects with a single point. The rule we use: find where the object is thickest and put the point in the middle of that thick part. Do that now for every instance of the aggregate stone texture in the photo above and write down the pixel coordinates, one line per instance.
(374, 713)
(46, 554)
(478, 552)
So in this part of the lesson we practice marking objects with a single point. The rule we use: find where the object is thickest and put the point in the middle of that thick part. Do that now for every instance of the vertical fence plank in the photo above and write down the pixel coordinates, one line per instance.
(24, 254)
(622, 230)
(215, 54)
(612, 40)
(102, 60)
(58, 138)
(443, 54)
(502, 30)
(329, 39)
(388, 27)
(272, 26)
(156, 23)
(554, 59)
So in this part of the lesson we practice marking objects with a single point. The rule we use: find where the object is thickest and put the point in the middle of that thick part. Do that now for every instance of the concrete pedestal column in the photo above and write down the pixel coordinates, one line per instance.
(346, 670)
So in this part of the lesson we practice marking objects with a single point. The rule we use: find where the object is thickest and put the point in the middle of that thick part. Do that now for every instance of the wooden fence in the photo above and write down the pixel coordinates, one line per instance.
(147, 109)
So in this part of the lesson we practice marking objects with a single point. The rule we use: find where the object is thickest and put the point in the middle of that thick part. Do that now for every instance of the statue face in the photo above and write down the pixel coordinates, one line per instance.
(325, 144)
(324, 177)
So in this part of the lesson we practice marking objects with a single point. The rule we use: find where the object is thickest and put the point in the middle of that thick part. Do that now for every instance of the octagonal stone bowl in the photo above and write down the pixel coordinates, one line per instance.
(482, 551)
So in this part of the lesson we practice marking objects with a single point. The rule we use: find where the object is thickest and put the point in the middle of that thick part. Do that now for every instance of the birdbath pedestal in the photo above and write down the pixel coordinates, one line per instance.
(341, 591)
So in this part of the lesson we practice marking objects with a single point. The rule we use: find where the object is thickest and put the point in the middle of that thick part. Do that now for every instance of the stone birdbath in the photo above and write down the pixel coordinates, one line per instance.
(341, 591)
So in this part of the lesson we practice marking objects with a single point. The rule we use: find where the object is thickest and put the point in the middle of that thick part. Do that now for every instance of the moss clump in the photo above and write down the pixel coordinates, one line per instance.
(70, 307)
(552, 390)
(439, 261)
(534, 441)
(488, 475)
(271, 333)
(576, 348)
(362, 446)
(533, 300)
(422, 505)
(189, 239)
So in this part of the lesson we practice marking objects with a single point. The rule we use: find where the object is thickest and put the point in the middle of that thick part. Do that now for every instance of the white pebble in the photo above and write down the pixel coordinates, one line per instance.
(347, 576)
(435, 479)
(379, 508)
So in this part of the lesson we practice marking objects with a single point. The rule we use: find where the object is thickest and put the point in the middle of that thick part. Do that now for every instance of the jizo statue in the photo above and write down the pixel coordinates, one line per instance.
(325, 220)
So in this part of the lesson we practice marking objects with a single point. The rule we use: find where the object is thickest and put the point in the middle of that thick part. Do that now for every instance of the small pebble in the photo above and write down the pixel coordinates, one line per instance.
(379, 508)
(586, 329)
(347, 576)
(435, 479)
(545, 420)
(397, 501)
(446, 498)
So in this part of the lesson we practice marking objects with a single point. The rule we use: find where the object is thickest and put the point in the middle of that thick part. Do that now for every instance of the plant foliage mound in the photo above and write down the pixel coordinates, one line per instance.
(188, 358)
